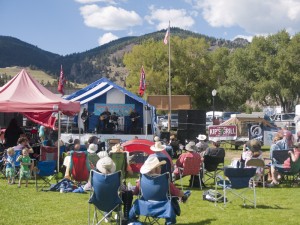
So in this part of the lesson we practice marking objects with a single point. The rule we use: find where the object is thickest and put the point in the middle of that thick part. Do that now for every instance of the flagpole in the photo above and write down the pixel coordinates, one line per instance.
(170, 94)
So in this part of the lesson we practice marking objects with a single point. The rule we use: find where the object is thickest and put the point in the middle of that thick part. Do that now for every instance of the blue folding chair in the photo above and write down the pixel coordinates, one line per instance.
(155, 201)
(105, 196)
(46, 170)
(238, 183)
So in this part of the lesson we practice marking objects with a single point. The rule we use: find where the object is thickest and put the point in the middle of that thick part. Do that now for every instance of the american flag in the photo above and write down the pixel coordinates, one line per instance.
(142, 82)
(61, 81)
(167, 36)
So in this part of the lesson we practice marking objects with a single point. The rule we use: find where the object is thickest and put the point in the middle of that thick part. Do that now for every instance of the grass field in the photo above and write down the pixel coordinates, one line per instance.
(25, 206)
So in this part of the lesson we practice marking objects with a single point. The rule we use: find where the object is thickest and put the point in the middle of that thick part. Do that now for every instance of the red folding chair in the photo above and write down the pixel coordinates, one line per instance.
(79, 166)
(191, 166)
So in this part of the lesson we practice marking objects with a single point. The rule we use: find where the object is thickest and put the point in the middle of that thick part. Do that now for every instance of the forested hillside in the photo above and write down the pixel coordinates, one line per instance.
(86, 67)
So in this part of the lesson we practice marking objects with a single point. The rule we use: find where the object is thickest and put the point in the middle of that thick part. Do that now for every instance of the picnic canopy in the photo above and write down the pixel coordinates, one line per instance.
(25, 95)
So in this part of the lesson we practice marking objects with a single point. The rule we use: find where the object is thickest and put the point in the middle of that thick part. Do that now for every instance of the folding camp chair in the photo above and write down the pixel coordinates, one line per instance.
(48, 153)
(191, 166)
(288, 175)
(46, 170)
(213, 165)
(259, 164)
(120, 160)
(154, 201)
(105, 196)
(237, 183)
(79, 166)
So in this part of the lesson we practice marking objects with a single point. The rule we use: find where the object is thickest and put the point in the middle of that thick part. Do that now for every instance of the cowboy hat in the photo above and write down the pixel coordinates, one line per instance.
(201, 137)
(106, 165)
(117, 148)
(191, 146)
(157, 147)
(156, 138)
(92, 148)
(151, 163)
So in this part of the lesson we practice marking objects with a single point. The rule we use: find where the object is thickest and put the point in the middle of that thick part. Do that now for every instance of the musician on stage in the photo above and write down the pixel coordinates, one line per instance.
(85, 119)
(134, 117)
(104, 118)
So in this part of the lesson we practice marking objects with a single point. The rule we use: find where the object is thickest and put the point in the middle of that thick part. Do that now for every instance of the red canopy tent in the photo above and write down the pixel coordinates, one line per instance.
(140, 148)
(25, 95)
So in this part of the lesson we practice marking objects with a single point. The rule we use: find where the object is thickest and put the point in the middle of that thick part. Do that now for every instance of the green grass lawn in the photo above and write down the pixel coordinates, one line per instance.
(24, 206)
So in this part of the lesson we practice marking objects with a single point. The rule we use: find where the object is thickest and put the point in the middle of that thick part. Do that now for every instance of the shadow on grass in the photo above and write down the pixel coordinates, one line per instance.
(263, 207)
(203, 222)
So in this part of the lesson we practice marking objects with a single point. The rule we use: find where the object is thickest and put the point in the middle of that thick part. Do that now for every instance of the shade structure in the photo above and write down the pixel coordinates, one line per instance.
(25, 95)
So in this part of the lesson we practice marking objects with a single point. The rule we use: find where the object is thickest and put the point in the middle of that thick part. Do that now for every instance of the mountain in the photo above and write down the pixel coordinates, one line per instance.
(88, 66)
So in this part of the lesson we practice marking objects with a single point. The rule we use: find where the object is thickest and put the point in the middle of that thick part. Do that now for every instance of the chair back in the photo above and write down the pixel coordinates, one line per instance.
(191, 166)
(46, 168)
(279, 156)
(155, 188)
(120, 159)
(48, 153)
(211, 163)
(105, 190)
(255, 162)
(239, 177)
(79, 166)
(295, 166)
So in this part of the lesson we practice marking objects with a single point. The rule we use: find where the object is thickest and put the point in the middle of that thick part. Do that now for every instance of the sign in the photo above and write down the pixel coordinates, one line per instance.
(222, 133)
(119, 109)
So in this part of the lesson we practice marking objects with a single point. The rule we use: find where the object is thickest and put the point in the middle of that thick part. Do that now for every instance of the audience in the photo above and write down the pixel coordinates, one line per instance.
(191, 153)
(159, 152)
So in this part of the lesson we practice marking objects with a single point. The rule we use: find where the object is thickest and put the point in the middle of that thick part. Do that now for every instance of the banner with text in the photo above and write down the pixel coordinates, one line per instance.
(222, 133)
(119, 109)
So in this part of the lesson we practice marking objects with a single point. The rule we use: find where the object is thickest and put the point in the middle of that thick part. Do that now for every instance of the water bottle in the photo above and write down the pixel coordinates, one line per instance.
(129, 186)
(62, 189)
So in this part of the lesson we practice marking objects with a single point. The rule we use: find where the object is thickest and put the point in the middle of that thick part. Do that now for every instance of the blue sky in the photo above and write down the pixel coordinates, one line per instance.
(70, 26)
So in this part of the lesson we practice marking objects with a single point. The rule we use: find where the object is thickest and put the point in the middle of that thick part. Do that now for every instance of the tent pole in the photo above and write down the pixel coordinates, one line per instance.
(58, 141)
(146, 127)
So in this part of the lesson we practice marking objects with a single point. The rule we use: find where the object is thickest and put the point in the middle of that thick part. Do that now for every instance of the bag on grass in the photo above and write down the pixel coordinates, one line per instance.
(213, 195)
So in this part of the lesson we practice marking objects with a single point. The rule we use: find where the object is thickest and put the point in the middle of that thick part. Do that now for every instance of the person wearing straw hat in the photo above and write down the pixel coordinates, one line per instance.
(118, 148)
(106, 165)
(92, 155)
(191, 152)
(202, 144)
(159, 152)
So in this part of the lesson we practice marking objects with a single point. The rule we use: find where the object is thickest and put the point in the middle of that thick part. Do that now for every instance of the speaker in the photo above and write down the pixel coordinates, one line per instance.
(182, 136)
(182, 119)
(192, 120)
(165, 135)
(149, 129)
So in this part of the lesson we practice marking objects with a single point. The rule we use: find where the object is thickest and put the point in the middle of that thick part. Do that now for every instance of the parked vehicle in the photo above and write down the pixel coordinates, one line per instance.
(284, 119)
(174, 121)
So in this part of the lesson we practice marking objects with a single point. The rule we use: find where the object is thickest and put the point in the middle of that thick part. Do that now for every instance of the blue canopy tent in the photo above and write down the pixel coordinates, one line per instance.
(104, 93)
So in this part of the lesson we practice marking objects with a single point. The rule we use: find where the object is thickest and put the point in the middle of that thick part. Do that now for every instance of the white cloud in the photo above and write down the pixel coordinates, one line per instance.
(93, 1)
(106, 38)
(178, 17)
(109, 18)
(254, 16)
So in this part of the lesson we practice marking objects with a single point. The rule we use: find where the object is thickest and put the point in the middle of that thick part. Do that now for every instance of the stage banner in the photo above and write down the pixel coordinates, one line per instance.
(119, 109)
(222, 133)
